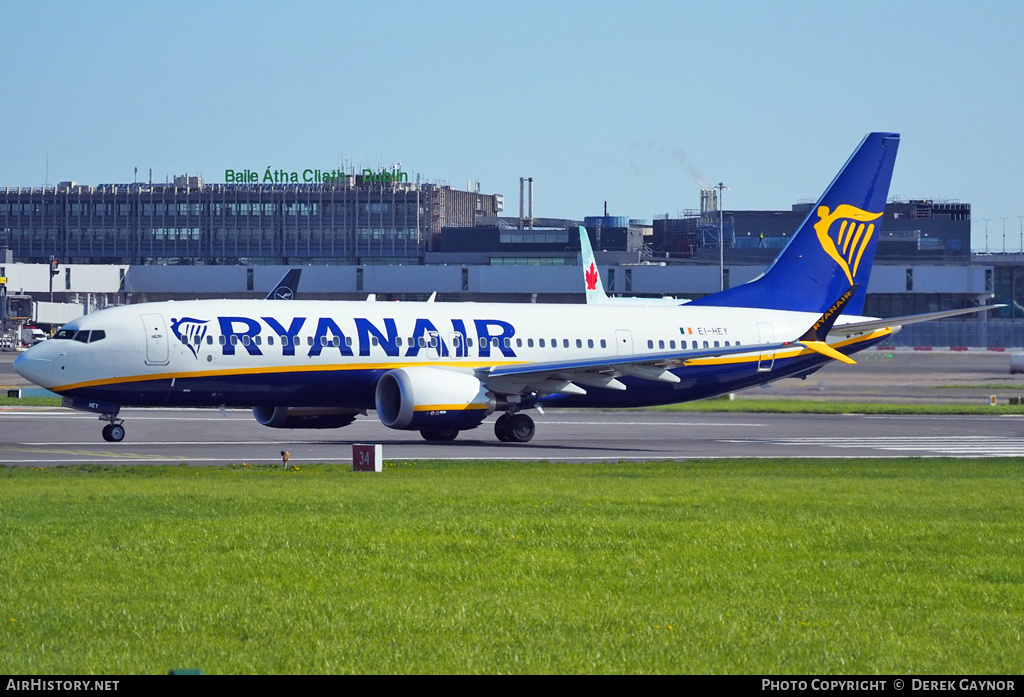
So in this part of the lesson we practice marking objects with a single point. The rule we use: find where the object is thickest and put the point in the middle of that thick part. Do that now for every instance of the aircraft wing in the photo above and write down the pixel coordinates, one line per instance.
(908, 319)
(567, 376)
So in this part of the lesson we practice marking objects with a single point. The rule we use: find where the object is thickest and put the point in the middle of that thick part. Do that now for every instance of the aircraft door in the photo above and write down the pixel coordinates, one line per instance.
(765, 335)
(623, 342)
(156, 339)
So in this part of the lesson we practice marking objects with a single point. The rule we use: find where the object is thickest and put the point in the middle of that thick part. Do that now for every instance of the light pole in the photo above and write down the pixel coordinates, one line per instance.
(986, 233)
(1004, 235)
(1021, 219)
(721, 237)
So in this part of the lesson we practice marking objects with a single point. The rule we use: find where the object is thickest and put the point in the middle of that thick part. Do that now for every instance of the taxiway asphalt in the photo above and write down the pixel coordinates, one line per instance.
(46, 437)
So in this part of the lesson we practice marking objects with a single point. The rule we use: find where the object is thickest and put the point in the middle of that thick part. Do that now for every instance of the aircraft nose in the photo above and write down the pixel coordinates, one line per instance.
(34, 369)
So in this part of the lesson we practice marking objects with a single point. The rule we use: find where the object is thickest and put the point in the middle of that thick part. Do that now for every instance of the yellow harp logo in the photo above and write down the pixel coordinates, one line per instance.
(846, 244)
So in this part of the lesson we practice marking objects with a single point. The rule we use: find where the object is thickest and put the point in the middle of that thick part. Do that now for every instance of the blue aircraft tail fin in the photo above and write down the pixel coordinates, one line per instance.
(833, 248)
(286, 287)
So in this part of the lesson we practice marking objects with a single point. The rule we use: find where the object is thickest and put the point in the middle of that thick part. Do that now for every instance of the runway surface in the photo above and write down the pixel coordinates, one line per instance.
(51, 437)
(45, 437)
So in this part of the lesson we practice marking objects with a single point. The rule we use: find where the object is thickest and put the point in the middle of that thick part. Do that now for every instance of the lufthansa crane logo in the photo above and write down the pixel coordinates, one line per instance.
(846, 242)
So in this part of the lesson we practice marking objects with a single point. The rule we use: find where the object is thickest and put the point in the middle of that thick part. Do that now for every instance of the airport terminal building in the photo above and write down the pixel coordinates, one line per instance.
(353, 219)
(380, 233)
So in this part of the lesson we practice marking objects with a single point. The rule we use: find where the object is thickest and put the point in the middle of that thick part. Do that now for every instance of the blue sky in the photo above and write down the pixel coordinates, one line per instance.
(630, 102)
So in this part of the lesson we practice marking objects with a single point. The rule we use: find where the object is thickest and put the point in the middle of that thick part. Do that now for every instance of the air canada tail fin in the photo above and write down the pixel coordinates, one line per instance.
(591, 276)
(833, 248)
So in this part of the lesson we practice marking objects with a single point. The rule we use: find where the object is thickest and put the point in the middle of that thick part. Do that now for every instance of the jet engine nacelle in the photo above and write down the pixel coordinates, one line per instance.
(303, 417)
(431, 398)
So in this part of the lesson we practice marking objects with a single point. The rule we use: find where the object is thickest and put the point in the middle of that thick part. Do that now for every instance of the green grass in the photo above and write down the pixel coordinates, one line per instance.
(804, 406)
(769, 566)
(6, 401)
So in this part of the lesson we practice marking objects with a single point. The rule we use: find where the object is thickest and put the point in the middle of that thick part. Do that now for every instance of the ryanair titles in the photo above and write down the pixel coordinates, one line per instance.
(311, 176)
(324, 335)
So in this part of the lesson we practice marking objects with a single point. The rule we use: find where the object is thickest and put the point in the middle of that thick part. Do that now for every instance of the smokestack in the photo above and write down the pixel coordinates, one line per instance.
(521, 180)
(531, 202)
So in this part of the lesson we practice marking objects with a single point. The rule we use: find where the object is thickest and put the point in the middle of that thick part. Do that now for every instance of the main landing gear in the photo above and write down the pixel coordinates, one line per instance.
(511, 427)
(114, 431)
(514, 428)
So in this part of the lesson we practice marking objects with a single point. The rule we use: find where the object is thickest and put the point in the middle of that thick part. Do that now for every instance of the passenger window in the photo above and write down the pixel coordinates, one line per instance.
(650, 343)
(590, 343)
(726, 343)
(245, 340)
(209, 340)
(398, 341)
(234, 339)
(309, 341)
(579, 343)
(542, 343)
(222, 339)
(519, 343)
(716, 344)
(270, 341)
(565, 343)
(672, 344)
(258, 340)
(706, 345)
(604, 344)
(508, 342)
(661, 343)
(694, 345)
(529, 343)
(422, 342)
(469, 341)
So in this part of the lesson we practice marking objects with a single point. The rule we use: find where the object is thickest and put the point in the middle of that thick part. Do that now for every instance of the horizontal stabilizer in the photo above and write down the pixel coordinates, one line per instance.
(826, 350)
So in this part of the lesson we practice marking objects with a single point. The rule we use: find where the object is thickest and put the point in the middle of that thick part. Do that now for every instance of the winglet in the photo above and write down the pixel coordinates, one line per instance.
(591, 276)
(814, 338)
(820, 329)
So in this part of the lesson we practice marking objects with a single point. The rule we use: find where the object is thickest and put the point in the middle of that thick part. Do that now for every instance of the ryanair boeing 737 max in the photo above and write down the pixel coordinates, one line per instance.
(441, 368)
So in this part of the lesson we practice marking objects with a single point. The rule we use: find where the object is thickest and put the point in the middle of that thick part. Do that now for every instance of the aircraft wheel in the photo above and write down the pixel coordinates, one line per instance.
(106, 433)
(116, 433)
(501, 428)
(439, 434)
(520, 429)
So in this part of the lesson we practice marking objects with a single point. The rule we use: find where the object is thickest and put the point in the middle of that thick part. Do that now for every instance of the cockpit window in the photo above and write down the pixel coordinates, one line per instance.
(84, 336)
